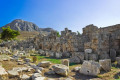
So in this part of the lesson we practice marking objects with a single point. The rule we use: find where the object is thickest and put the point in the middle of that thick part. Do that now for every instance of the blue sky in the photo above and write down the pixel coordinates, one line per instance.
(58, 14)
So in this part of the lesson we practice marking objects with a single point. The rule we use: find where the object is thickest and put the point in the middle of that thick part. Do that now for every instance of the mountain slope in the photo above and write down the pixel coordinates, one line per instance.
(21, 25)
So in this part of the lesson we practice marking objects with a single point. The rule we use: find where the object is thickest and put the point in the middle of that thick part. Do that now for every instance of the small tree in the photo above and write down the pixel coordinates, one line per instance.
(58, 35)
(9, 34)
(78, 32)
(34, 59)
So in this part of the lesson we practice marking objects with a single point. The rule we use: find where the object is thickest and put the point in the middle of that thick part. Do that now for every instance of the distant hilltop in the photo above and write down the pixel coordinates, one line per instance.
(21, 25)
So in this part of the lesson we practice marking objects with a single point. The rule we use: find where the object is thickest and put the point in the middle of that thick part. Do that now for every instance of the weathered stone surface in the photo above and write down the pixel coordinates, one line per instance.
(51, 54)
(96, 79)
(20, 63)
(76, 69)
(80, 55)
(19, 69)
(74, 59)
(88, 50)
(44, 64)
(65, 62)
(50, 72)
(36, 75)
(92, 42)
(118, 60)
(40, 78)
(50, 79)
(21, 25)
(93, 57)
(103, 56)
(112, 54)
(27, 59)
(66, 55)
(69, 78)
(58, 55)
(38, 71)
(60, 69)
(3, 74)
(25, 77)
(77, 57)
(13, 73)
(90, 68)
(105, 64)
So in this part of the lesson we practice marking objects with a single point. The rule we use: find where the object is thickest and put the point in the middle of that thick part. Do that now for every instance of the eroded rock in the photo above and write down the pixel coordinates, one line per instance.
(90, 68)
(60, 69)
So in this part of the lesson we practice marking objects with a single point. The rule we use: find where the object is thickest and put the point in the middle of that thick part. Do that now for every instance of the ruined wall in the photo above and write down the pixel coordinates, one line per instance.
(100, 40)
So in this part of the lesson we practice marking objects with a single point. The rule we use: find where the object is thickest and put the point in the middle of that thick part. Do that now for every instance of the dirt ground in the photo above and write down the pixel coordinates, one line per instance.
(114, 74)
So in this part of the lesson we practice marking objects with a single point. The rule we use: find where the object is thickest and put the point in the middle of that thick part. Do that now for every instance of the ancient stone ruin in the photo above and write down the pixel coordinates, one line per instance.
(93, 44)
(95, 49)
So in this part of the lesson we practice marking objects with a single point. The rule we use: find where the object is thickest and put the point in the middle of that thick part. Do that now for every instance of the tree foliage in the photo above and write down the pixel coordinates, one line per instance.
(9, 34)
(58, 35)
(78, 32)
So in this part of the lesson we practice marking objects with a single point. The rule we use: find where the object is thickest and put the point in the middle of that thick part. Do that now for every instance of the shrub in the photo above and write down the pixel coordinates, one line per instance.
(9, 34)
(34, 59)
(58, 35)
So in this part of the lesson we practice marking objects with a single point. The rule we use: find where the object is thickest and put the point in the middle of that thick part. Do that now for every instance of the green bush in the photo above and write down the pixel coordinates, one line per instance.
(58, 35)
(9, 34)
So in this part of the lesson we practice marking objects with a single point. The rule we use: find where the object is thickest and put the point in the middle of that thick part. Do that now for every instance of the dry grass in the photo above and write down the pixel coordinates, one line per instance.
(25, 34)
(114, 74)
(8, 65)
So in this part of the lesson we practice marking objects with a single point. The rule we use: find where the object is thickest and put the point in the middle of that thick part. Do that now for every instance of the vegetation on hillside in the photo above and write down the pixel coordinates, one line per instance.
(9, 34)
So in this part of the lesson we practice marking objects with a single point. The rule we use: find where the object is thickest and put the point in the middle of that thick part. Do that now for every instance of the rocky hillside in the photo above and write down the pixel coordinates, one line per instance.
(21, 25)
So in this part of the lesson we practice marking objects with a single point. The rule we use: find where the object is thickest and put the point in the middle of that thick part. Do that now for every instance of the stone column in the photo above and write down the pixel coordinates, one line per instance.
(65, 62)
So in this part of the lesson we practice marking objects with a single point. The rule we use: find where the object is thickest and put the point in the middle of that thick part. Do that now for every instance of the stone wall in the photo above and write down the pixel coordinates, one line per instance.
(99, 40)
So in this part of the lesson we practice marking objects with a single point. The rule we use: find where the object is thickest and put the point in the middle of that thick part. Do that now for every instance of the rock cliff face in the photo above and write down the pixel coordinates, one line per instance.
(21, 25)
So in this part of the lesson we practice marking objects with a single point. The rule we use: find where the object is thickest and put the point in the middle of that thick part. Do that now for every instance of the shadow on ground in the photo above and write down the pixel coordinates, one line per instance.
(79, 76)
(117, 76)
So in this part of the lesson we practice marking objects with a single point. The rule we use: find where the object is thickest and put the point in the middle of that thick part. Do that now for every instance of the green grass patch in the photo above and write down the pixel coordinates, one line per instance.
(40, 57)
(56, 61)
(52, 60)
(114, 68)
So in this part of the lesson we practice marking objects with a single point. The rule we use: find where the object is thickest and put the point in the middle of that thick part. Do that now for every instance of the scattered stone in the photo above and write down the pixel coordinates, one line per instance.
(118, 60)
(19, 60)
(60, 69)
(105, 64)
(40, 78)
(13, 73)
(27, 59)
(90, 68)
(76, 69)
(20, 63)
(44, 64)
(25, 77)
(65, 78)
(96, 79)
(50, 79)
(38, 71)
(3, 74)
(65, 62)
(20, 69)
(36, 75)
(50, 72)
